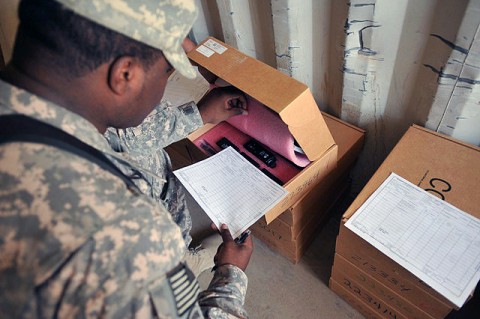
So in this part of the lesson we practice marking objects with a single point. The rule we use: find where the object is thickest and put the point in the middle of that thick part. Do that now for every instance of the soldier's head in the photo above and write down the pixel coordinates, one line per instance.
(136, 43)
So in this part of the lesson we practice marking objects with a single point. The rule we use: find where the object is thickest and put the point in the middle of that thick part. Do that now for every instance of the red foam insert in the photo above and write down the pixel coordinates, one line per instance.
(284, 170)
(267, 127)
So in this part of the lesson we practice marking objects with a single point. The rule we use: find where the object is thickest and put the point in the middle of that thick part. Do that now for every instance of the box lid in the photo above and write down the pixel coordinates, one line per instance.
(443, 166)
(291, 99)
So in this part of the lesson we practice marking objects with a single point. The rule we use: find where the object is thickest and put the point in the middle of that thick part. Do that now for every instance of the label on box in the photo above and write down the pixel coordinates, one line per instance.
(205, 51)
(215, 46)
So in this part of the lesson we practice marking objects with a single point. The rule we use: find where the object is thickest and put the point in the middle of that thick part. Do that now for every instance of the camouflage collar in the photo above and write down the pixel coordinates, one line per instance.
(14, 100)
(19, 101)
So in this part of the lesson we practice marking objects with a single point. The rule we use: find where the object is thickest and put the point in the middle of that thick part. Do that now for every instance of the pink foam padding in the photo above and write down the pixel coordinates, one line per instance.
(284, 170)
(268, 128)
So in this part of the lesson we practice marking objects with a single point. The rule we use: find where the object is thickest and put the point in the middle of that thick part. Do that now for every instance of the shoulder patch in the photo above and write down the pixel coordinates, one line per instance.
(187, 108)
(184, 287)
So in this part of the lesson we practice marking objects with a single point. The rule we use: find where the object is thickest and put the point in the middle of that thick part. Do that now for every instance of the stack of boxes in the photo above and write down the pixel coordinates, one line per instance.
(370, 281)
(293, 231)
(330, 144)
(293, 104)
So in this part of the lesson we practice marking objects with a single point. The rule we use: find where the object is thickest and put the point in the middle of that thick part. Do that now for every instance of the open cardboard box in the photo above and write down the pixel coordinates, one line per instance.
(292, 232)
(289, 98)
(442, 166)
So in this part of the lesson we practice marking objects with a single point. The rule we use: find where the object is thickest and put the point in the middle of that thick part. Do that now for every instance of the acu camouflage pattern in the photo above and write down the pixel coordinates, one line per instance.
(162, 24)
(145, 143)
(75, 242)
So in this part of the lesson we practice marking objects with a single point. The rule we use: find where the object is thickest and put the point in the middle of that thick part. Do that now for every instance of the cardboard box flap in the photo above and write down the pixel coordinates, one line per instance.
(308, 126)
(445, 167)
(291, 99)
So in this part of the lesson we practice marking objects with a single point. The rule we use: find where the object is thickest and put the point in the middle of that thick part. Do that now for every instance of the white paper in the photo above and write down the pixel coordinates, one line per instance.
(231, 190)
(181, 90)
(434, 240)
(205, 51)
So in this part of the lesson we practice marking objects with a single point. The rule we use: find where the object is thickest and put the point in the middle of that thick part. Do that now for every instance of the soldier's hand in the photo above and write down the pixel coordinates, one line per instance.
(222, 103)
(230, 252)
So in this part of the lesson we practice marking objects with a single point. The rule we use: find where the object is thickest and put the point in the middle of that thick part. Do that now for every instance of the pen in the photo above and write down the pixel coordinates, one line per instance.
(241, 239)
(207, 147)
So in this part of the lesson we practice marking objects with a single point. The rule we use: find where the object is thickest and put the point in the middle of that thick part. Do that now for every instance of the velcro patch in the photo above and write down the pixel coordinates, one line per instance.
(184, 287)
(187, 108)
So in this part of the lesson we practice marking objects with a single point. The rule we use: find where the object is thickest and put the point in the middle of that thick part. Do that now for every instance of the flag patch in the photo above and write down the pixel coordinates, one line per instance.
(184, 287)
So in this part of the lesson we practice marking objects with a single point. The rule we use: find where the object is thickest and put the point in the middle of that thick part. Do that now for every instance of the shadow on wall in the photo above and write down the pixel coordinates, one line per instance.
(388, 92)
(437, 49)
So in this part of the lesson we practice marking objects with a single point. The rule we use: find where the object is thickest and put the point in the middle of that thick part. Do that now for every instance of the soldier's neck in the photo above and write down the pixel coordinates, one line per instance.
(63, 91)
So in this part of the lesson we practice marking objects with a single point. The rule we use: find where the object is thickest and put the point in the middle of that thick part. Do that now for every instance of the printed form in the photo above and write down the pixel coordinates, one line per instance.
(231, 190)
(434, 240)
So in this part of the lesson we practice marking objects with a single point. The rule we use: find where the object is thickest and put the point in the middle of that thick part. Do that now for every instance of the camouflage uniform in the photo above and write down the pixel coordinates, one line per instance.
(75, 242)
(145, 143)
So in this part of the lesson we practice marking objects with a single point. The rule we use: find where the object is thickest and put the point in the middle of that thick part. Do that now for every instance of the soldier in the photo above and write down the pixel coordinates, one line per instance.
(145, 145)
(75, 241)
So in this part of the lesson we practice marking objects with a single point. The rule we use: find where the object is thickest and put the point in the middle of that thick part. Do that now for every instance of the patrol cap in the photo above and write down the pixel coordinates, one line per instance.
(162, 24)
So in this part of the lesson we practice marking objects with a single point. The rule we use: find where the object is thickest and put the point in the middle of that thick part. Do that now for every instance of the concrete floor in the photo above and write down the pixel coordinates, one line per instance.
(279, 289)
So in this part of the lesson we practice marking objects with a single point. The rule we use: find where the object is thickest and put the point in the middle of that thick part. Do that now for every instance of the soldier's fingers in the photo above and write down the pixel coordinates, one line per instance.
(238, 112)
(231, 104)
(248, 242)
(225, 233)
(237, 104)
(242, 102)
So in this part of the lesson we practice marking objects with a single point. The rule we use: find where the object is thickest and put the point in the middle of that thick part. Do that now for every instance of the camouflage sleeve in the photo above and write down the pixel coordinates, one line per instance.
(166, 125)
(225, 296)
(75, 242)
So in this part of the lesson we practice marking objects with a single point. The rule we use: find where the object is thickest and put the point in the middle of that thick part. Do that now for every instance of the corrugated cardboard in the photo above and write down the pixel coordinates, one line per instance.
(293, 231)
(184, 153)
(292, 100)
(370, 260)
(360, 302)
(344, 270)
(382, 308)
(286, 239)
(350, 140)
(312, 207)
(442, 166)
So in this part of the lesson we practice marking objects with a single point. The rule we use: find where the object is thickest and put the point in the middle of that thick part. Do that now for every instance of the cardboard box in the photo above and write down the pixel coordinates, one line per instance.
(362, 303)
(284, 234)
(345, 271)
(291, 99)
(442, 166)
(350, 141)
(294, 230)
(374, 263)
(376, 304)
(278, 234)
(184, 153)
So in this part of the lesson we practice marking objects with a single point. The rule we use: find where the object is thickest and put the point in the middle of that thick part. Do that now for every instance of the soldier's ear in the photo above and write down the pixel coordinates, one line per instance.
(126, 76)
